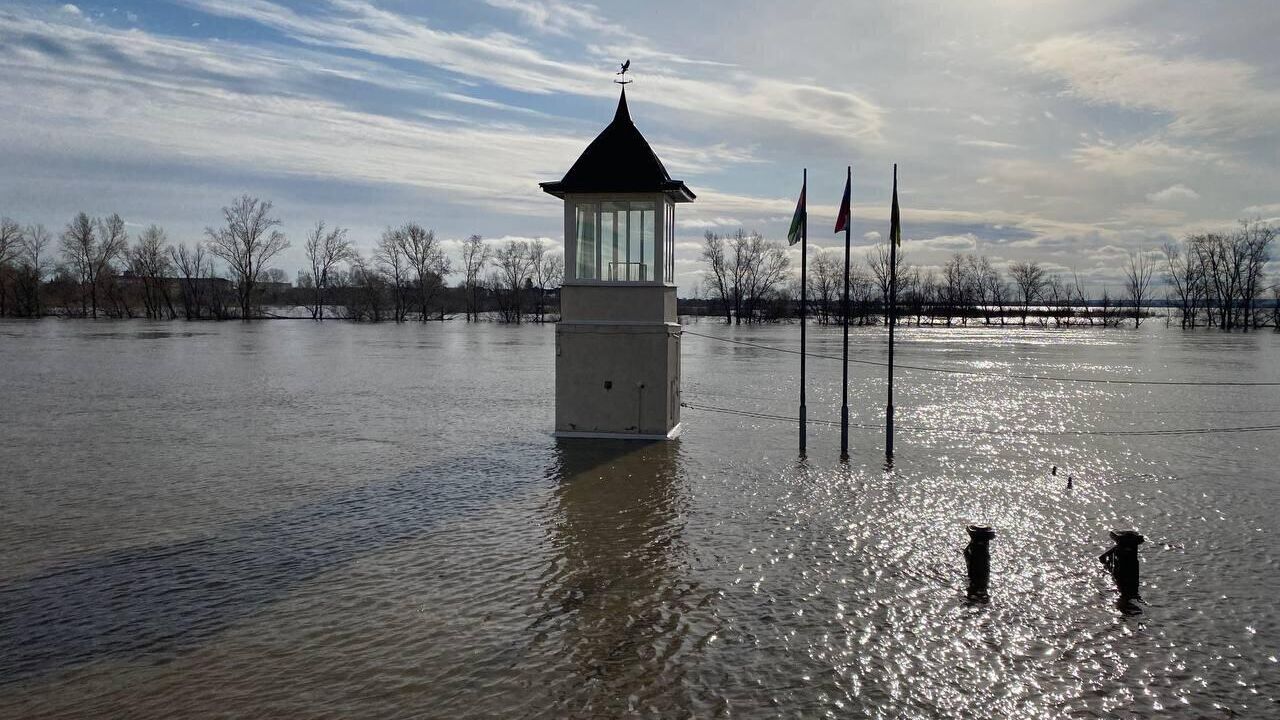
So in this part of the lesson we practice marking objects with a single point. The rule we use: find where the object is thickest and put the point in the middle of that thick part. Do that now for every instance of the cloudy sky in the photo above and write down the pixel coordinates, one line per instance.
(1067, 131)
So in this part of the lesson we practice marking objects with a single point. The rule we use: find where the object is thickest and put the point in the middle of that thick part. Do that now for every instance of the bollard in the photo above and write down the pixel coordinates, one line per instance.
(977, 560)
(1122, 561)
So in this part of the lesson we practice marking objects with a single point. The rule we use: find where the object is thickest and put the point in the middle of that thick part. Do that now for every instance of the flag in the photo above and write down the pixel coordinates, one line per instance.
(797, 220)
(843, 220)
(895, 224)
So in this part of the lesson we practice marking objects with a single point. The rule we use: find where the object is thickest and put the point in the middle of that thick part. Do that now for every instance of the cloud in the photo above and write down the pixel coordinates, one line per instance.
(992, 144)
(508, 61)
(1149, 156)
(1174, 193)
(556, 17)
(706, 224)
(948, 243)
(1202, 96)
(71, 10)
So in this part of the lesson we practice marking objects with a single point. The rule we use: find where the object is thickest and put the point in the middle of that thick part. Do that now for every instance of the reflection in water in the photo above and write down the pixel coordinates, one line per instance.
(396, 547)
(615, 594)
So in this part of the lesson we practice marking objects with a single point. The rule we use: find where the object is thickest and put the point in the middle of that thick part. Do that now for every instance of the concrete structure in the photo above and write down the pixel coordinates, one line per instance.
(618, 339)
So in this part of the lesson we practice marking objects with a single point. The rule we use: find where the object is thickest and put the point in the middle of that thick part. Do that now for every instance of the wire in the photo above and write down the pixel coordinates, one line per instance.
(980, 431)
(1007, 376)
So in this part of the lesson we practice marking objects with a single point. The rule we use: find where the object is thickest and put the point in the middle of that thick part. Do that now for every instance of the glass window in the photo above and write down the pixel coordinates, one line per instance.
(613, 240)
(641, 242)
(669, 244)
(587, 247)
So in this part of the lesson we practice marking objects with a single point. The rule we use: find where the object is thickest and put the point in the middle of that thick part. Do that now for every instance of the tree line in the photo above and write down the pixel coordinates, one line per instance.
(97, 270)
(1215, 277)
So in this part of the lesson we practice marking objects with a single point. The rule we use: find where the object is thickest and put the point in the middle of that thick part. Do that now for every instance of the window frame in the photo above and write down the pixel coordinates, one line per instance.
(663, 219)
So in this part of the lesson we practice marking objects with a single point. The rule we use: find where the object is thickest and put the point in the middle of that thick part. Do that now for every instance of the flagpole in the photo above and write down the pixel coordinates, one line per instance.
(804, 261)
(893, 315)
(844, 382)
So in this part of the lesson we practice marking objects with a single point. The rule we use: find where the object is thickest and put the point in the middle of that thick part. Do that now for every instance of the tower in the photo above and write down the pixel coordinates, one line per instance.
(618, 339)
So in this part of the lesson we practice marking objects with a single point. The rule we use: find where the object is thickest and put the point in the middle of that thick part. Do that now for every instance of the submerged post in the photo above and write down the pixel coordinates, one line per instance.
(845, 222)
(1122, 562)
(895, 239)
(802, 213)
(977, 560)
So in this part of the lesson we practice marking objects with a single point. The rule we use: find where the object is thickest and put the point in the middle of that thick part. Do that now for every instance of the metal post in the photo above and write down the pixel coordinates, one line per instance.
(844, 310)
(977, 560)
(804, 261)
(1122, 562)
(893, 313)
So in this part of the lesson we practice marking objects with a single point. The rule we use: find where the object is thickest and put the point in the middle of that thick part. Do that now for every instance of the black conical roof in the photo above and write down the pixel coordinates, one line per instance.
(619, 160)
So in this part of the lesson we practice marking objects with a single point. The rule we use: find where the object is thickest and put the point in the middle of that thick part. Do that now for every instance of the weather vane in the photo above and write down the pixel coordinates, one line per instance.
(623, 73)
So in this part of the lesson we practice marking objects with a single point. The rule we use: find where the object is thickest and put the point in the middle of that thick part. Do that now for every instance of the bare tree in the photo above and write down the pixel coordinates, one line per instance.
(90, 249)
(246, 243)
(325, 249)
(427, 261)
(149, 263)
(192, 266)
(513, 272)
(1029, 277)
(878, 259)
(1183, 273)
(395, 266)
(745, 271)
(718, 280)
(1137, 282)
(476, 254)
(824, 283)
(1079, 297)
(31, 268)
(369, 285)
(10, 248)
(114, 243)
(1257, 238)
(764, 266)
(548, 272)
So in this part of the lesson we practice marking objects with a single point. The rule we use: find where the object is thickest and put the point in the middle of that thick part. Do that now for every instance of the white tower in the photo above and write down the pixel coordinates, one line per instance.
(618, 339)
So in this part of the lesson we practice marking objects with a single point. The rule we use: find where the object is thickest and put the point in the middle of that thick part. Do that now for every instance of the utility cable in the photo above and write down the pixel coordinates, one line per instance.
(979, 431)
(1007, 376)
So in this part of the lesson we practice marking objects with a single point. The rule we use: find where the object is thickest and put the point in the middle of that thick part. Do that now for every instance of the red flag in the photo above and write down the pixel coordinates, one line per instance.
(843, 219)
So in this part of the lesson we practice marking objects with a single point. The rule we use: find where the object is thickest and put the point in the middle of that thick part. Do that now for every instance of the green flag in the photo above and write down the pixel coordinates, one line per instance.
(895, 224)
(797, 220)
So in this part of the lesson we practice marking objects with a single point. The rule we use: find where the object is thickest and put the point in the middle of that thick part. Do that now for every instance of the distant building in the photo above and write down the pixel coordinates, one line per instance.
(618, 339)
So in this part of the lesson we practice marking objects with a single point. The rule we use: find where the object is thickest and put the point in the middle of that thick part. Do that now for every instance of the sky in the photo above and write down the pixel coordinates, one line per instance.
(1069, 132)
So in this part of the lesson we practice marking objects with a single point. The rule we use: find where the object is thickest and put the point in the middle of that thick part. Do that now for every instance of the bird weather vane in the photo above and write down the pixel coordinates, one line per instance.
(623, 72)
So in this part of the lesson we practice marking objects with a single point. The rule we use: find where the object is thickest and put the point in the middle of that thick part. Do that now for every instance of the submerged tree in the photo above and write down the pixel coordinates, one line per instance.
(427, 262)
(246, 242)
(325, 250)
(10, 247)
(90, 248)
(31, 264)
(476, 254)
(746, 271)
(149, 261)
(1030, 279)
(1137, 282)
(508, 283)
(395, 266)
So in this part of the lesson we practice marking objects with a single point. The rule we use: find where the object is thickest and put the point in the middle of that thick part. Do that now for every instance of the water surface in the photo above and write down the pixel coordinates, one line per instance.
(336, 520)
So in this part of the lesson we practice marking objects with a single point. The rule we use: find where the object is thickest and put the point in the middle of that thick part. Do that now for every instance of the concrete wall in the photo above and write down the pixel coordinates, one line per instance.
(621, 379)
(618, 303)
(617, 360)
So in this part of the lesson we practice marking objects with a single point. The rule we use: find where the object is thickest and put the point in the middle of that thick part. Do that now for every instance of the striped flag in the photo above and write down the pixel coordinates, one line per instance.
(797, 220)
(843, 220)
(895, 224)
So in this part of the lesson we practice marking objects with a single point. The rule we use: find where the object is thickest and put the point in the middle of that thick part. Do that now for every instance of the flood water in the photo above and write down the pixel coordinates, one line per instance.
(289, 519)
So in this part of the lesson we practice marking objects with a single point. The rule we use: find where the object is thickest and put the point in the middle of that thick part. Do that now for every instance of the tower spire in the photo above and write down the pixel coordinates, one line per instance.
(622, 113)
